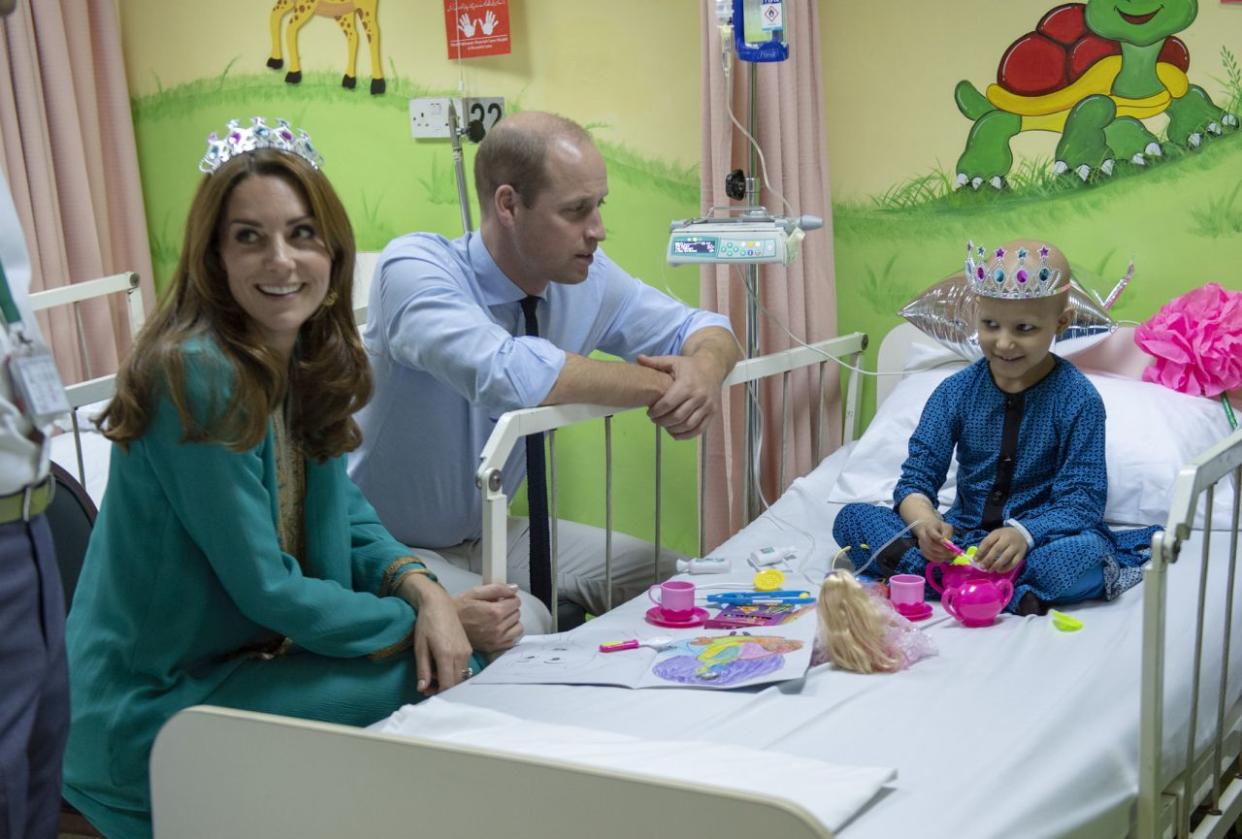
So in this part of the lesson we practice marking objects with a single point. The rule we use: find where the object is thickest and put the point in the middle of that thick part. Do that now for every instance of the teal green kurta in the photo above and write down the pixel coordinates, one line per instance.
(184, 569)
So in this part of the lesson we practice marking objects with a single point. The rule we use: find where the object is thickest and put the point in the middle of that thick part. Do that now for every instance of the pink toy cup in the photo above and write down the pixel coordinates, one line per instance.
(977, 602)
(905, 589)
(675, 599)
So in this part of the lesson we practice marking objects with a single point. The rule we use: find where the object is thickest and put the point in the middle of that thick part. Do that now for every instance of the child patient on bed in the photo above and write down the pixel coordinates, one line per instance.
(1028, 429)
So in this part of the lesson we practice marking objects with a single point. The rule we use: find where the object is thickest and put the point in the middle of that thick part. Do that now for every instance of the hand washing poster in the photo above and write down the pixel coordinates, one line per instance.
(476, 28)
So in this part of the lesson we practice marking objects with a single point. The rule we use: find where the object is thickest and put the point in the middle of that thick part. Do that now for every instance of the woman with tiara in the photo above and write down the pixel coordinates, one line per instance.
(233, 562)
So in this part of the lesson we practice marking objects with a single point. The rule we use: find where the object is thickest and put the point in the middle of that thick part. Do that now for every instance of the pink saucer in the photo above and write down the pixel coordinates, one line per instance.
(915, 611)
(656, 615)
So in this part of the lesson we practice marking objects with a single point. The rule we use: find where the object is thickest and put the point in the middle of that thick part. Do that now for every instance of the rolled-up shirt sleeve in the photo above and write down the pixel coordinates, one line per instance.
(644, 320)
(432, 323)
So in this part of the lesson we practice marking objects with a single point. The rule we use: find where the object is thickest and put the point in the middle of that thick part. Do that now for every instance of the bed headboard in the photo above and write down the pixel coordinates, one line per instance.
(894, 350)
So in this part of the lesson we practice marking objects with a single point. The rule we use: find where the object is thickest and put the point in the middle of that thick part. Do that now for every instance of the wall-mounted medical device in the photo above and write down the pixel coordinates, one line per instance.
(753, 237)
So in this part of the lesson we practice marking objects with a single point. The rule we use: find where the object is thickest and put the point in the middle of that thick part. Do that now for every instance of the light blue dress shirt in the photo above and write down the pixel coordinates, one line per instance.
(441, 339)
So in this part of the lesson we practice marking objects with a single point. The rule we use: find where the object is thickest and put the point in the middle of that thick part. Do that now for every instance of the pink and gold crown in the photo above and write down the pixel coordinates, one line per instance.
(259, 135)
(1019, 280)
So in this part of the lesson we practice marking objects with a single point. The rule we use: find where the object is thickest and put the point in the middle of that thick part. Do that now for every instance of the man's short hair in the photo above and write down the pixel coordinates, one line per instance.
(514, 153)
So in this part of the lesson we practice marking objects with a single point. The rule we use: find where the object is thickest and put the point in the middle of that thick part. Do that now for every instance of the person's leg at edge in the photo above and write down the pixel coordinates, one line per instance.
(34, 697)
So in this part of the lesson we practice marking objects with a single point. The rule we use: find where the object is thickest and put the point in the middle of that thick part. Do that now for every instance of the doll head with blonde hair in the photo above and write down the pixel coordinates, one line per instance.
(858, 631)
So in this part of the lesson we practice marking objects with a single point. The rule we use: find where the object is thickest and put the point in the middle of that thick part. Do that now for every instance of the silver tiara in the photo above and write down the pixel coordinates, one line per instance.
(1022, 281)
(259, 135)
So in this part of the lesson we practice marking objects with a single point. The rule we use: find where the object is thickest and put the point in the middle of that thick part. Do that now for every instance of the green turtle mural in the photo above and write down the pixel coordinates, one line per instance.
(1092, 72)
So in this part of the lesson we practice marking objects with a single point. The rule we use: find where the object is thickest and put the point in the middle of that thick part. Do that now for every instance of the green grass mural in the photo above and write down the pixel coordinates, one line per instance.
(392, 184)
(1180, 220)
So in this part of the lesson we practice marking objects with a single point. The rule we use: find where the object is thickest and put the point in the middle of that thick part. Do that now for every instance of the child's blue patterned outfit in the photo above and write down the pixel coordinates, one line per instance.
(1034, 459)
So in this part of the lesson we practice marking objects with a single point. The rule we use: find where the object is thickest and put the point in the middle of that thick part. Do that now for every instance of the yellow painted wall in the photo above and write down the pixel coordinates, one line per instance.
(629, 68)
(890, 68)
(895, 135)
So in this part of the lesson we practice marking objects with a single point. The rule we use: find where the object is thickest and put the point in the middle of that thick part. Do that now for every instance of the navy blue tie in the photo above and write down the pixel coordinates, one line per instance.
(537, 493)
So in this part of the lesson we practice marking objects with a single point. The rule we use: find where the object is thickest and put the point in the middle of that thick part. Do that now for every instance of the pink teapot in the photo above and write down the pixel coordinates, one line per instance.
(977, 602)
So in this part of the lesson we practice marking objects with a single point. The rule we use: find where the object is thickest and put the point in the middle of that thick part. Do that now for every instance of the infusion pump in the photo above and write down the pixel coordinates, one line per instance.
(739, 241)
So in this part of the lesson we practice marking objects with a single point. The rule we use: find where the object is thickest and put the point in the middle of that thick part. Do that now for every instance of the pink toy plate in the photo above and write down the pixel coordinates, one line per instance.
(656, 615)
(915, 611)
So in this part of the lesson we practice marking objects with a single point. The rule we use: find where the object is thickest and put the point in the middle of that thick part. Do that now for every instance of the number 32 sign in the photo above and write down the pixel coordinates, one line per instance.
(476, 28)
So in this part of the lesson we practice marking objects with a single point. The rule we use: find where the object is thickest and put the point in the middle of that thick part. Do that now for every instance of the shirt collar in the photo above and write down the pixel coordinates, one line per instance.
(495, 285)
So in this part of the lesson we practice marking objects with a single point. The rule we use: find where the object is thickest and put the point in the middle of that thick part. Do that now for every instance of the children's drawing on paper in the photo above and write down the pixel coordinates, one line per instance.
(559, 656)
(723, 660)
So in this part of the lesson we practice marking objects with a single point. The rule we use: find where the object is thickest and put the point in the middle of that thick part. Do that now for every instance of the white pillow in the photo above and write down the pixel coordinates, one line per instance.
(871, 473)
(1151, 433)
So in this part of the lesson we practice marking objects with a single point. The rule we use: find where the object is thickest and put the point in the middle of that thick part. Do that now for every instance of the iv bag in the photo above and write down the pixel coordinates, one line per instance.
(760, 30)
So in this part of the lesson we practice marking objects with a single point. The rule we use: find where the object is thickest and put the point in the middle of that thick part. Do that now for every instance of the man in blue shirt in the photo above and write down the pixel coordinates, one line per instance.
(448, 337)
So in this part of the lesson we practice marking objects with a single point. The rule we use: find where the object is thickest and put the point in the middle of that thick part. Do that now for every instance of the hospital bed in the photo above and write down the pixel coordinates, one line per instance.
(1014, 730)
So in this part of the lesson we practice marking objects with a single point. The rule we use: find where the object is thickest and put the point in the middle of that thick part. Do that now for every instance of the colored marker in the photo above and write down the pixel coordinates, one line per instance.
(618, 646)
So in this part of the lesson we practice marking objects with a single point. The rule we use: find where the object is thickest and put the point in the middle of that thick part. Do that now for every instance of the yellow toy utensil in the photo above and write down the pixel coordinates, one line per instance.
(1064, 622)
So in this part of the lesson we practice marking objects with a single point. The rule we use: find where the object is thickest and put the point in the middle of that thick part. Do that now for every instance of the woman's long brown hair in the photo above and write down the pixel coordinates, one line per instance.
(329, 378)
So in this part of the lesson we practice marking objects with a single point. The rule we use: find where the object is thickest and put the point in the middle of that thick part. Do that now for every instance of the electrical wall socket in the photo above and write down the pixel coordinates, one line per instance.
(429, 115)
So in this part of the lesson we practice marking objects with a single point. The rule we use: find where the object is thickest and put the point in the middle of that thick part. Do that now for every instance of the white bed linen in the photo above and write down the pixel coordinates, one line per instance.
(832, 794)
(1013, 730)
(96, 452)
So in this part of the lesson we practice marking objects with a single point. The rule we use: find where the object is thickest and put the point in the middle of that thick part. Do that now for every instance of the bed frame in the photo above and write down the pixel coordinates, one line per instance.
(101, 387)
(347, 780)
(1204, 798)
(512, 427)
(282, 776)
(278, 776)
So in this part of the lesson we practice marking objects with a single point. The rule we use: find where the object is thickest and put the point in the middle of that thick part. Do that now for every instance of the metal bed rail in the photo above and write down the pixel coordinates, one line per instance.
(513, 426)
(1207, 789)
(100, 387)
(103, 387)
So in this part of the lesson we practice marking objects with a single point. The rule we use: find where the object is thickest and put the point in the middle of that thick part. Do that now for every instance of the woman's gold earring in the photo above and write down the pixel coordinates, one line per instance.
(330, 300)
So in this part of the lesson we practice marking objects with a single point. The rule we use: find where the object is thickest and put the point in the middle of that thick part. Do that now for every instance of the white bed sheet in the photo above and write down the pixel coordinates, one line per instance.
(1013, 730)
(96, 453)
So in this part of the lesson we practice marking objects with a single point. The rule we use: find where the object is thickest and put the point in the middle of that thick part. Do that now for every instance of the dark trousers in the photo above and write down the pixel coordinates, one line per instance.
(34, 681)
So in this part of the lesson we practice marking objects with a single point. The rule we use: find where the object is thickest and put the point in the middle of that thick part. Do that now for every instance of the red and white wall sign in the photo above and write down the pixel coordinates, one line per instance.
(476, 28)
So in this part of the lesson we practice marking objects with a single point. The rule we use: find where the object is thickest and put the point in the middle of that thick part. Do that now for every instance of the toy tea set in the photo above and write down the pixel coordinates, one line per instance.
(766, 605)
(971, 595)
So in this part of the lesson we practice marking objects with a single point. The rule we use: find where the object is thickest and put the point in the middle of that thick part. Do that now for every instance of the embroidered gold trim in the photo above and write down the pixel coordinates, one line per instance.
(404, 644)
(396, 583)
(388, 584)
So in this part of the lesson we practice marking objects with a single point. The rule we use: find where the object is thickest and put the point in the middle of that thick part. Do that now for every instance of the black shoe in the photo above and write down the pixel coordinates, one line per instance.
(568, 615)
(1031, 605)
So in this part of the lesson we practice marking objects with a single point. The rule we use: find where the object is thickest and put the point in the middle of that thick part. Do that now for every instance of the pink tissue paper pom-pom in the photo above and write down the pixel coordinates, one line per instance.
(1197, 342)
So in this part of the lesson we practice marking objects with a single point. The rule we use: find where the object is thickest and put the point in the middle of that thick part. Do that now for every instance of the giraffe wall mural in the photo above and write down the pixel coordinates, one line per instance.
(349, 15)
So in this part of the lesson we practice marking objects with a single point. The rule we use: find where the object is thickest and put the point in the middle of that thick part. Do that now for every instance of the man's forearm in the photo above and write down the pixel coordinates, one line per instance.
(606, 383)
(716, 344)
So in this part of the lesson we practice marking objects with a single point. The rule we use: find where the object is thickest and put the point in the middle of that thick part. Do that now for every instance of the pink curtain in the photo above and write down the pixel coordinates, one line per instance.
(67, 143)
(790, 130)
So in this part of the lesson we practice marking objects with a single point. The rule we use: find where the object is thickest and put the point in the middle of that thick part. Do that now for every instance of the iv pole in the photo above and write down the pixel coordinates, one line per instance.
(753, 188)
(459, 168)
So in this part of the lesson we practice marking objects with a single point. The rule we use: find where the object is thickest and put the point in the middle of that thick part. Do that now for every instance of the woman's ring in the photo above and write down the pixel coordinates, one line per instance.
(467, 673)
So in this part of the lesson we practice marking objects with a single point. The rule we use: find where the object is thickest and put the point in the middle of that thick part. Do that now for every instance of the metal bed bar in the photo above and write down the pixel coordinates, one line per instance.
(513, 426)
(1209, 782)
(103, 387)
(100, 387)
